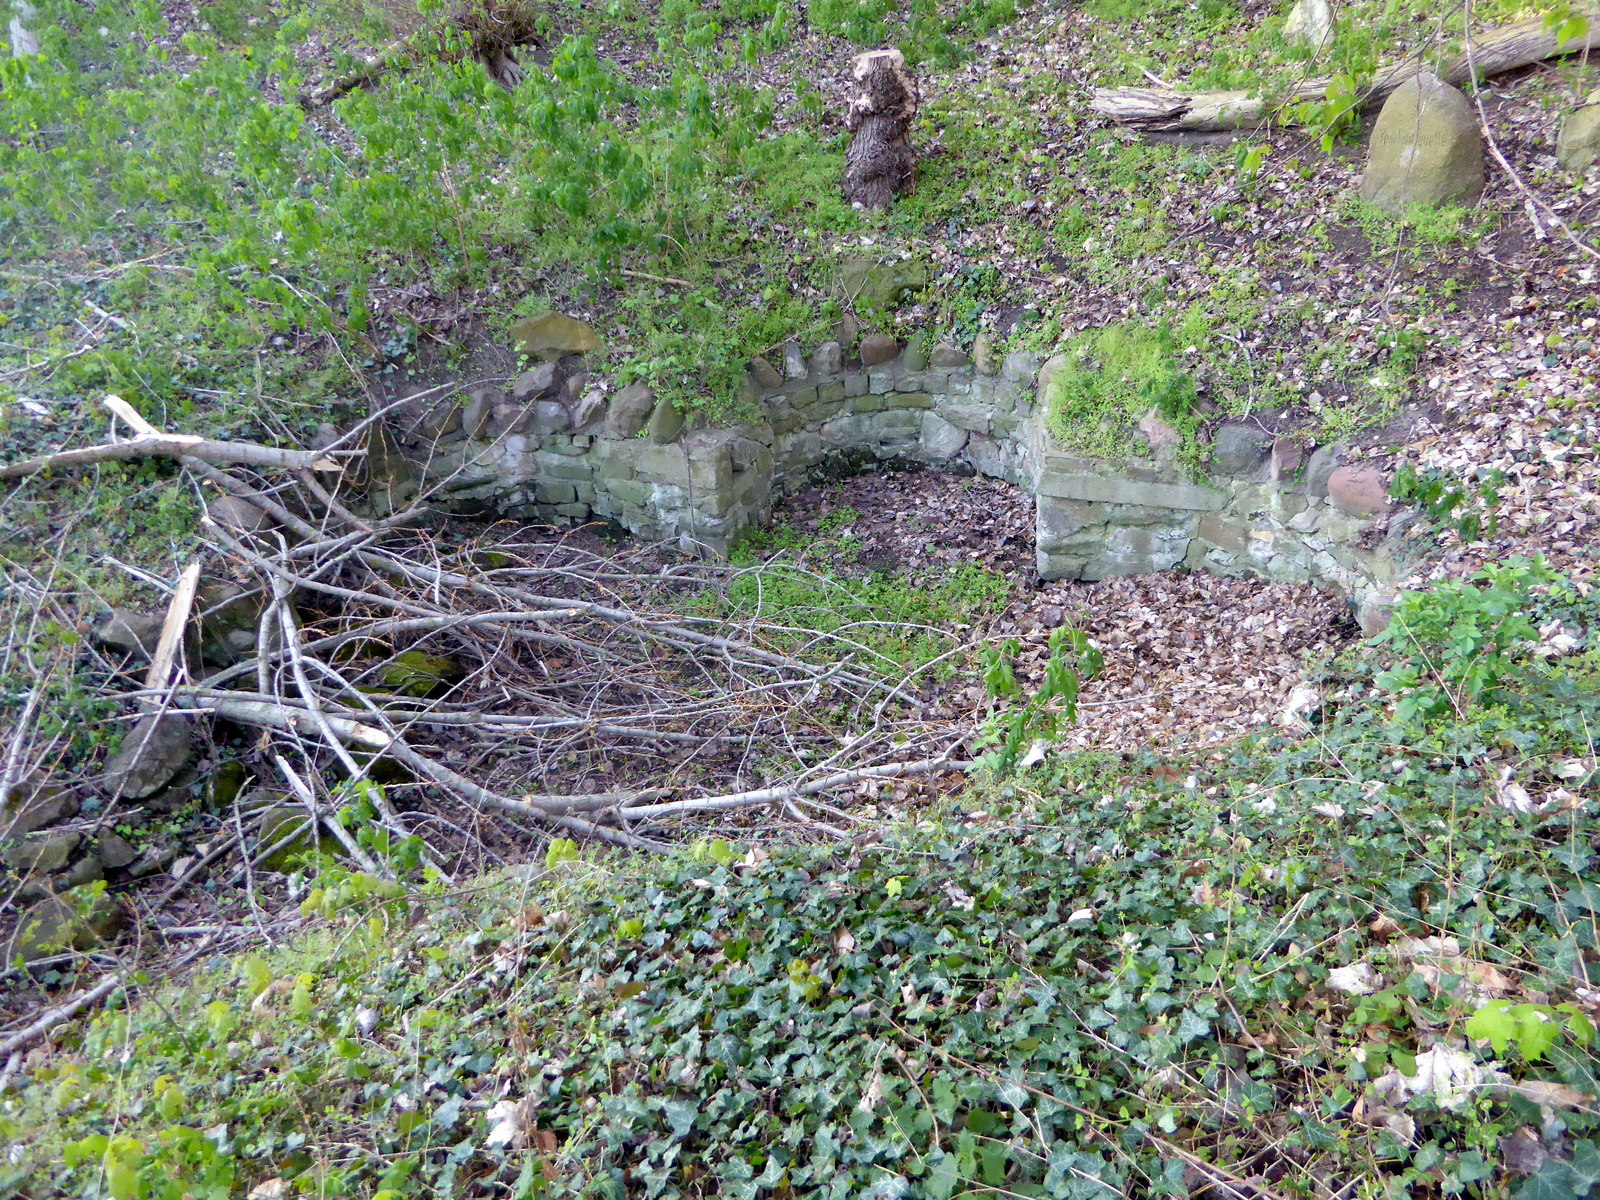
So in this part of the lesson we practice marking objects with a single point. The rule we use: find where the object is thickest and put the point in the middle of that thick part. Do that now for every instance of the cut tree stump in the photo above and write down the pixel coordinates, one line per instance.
(1493, 53)
(880, 162)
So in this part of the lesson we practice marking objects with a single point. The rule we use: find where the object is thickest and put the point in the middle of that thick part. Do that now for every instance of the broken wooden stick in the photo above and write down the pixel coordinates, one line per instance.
(178, 609)
(152, 443)
(1492, 52)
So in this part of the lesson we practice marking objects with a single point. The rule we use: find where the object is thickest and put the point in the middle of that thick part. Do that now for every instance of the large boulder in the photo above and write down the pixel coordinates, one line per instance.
(1425, 148)
(882, 284)
(551, 335)
(155, 750)
(57, 923)
(1579, 144)
(1359, 491)
(630, 411)
(1309, 23)
(34, 803)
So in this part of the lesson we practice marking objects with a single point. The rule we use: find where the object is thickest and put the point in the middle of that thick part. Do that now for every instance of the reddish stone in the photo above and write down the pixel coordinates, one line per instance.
(878, 348)
(1287, 456)
(1161, 436)
(1359, 491)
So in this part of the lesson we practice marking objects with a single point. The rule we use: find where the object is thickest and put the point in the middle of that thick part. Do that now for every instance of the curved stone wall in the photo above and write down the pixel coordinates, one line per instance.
(553, 451)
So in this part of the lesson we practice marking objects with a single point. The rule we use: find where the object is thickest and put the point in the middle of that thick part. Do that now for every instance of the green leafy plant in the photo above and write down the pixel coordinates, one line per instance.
(1457, 644)
(1532, 1028)
(1448, 502)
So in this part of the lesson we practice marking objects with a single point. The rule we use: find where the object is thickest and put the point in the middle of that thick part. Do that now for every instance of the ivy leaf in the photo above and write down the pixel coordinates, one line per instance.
(1191, 1026)
(943, 1176)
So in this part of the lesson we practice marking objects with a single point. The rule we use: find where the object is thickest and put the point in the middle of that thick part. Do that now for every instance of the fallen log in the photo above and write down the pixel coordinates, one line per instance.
(1492, 52)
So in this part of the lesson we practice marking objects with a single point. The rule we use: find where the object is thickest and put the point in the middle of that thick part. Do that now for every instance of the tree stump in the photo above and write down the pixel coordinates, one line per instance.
(880, 162)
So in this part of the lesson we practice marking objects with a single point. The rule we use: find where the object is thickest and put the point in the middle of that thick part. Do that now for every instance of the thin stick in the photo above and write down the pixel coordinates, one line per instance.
(50, 1018)
(783, 792)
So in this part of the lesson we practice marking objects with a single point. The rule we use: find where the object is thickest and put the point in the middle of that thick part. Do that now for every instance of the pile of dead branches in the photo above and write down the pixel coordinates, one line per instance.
(510, 684)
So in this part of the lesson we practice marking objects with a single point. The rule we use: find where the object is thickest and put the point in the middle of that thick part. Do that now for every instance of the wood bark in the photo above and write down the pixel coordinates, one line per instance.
(880, 162)
(1493, 52)
(172, 445)
(152, 443)
(24, 41)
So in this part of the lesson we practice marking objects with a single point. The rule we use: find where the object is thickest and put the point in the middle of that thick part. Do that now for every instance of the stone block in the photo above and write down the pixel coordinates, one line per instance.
(986, 354)
(478, 412)
(557, 467)
(794, 363)
(1224, 533)
(972, 417)
(918, 400)
(786, 423)
(877, 348)
(828, 359)
(749, 454)
(555, 492)
(1425, 148)
(911, 381)
(1020, 366)
(880, 383)
(855, 384)
(1239, 450)
(949, 357)
(540, 381)
(765, 374)
(625, 491)
(152, 752)
(666, 423)
(630, 411)
(573, 512)
(940, 439)
(589, 412)
(1359, 491)
(803, 398)
(915, 359)
(711, 469)
(542, 418)
(882, 284)
(1285, 459)
(662, 465)
(1113, 489)
(1578, 144)
(1058, 522)
(1139, 552)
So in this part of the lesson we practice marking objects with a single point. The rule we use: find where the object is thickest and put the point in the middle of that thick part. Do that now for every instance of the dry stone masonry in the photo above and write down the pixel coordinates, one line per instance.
(555, 449)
